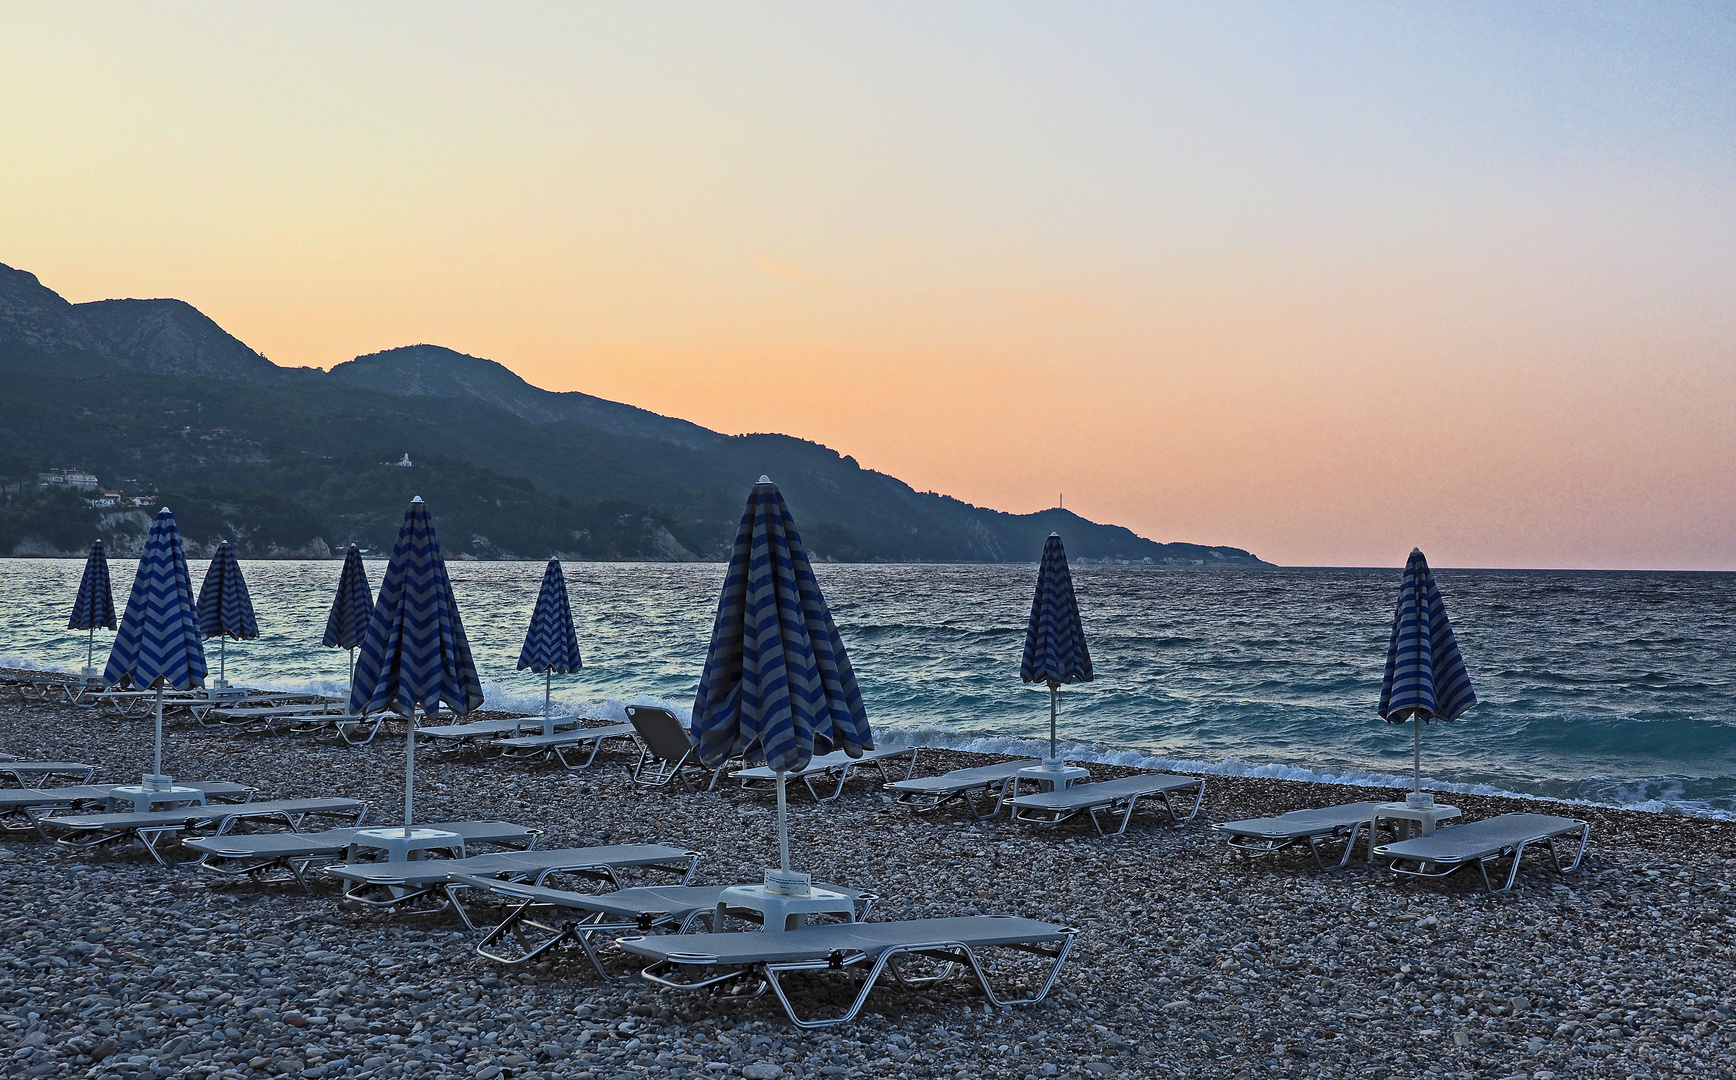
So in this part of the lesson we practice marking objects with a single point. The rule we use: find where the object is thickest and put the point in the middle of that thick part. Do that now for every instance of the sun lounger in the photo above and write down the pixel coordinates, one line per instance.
(925, 793)
(563, 744)
(480, 735)
(22, 809)
(268, 718)
(86, 832)
(1105, 799)
(665, 749)
(697, 961)
(1255, 837)
(262, 856)
(837, 763)
(30, 773)
(555, 916)
(400, 884)
(1487, 842)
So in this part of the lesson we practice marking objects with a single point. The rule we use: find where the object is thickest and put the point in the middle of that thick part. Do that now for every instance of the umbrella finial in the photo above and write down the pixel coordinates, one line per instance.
(416, 498)
(764, 479)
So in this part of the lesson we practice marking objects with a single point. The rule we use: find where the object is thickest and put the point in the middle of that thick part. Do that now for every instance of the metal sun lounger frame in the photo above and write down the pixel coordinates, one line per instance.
(928, 793)
(837, 762)
(1258, 837)
(260, 855)
(542, 747)
(87, 832)
(840, 947)
(480, 735)
(642, 910)
(399, 884)
(34, 805)
(1485, 842)
(1106, 798)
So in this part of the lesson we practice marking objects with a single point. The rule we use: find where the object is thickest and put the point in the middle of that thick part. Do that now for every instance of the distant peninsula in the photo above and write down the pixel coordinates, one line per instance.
(110, 408)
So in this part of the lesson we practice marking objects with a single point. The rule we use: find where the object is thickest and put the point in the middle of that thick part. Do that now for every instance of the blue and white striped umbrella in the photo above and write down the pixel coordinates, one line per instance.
(95, 604)
(414, 654)
(1055, 651)
(352, 607)
(1425, 675)
(158, 643)
(777, 681)
(225, 609)
(551, 644)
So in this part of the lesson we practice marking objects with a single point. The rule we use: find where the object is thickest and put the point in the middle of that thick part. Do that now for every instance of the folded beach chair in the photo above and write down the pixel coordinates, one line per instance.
(1487, 842)
(1107, 798)
(925, 793)
(556, 916)
(565, 746)
(697, 961)
(1254, 837)
(264, 856)
(31, 773)
(401, 884)
(665, 749)
(87, 832)
(837, 763)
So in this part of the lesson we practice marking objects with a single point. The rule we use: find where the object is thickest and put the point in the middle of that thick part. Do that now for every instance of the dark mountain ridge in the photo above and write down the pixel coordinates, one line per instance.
(290, 461)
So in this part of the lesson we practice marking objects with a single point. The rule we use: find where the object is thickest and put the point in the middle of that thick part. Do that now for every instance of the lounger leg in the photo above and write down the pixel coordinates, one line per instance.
(1042, 991)
(873, 976)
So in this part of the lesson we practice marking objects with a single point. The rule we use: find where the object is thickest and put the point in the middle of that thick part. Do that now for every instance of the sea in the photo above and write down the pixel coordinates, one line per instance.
(1603, 687)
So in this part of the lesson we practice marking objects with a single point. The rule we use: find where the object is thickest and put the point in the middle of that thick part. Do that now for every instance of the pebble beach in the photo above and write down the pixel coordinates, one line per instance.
(1188, 962)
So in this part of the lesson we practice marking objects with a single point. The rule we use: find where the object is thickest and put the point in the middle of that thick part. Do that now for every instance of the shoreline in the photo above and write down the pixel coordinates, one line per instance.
(1130, 757)
(1186, 963)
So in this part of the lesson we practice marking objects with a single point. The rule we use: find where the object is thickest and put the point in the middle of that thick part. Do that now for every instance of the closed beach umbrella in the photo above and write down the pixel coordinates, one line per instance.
(551, 644)
(157, 644)
(95, 604)
(1425, 675)
(1055, 651)
(777, 681)
(414, 653)
(225, 609)
(352, 607)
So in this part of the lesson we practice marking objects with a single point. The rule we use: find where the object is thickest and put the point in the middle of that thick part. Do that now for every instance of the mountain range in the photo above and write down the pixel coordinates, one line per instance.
(158, 400)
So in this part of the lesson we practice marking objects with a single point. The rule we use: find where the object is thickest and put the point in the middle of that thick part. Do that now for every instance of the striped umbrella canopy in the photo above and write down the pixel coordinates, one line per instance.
(157, 644)
(95, 604)
(777, 681)
(414, 653)
(225, 609)
(1425, 675)
(352, 607)
(551, 644)
(1055, 651)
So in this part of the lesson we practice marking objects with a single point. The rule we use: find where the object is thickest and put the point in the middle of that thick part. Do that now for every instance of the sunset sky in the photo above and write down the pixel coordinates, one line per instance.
(1320, 281)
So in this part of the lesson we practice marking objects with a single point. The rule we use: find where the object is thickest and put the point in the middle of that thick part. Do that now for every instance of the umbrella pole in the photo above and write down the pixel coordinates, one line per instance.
(89, 649)
(222, 655)
(157, 768)
(1054, 700)
(548, 676)
(352, 675)
(783, 826)
(409, 769)
(1417, 763)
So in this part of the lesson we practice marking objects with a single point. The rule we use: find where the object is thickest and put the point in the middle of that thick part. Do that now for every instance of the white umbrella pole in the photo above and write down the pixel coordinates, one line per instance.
(222, 655)
(352, 678)
(1054, 701)
(409, 770)
(1417, 763)
(548, 677)
(89, 649)
(783, 826)
(157, 769)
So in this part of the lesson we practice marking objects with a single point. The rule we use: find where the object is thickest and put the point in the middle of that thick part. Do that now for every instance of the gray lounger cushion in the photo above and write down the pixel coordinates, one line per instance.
(841, 946)
(1484, 842)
